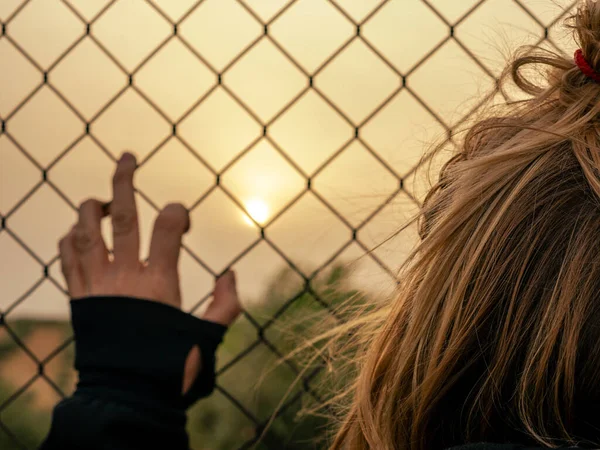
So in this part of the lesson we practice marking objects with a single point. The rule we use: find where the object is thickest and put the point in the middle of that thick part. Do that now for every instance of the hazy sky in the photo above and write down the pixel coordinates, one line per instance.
(357, 81)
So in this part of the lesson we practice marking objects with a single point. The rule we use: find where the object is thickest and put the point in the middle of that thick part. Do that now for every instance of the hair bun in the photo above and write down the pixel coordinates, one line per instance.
(586, 27)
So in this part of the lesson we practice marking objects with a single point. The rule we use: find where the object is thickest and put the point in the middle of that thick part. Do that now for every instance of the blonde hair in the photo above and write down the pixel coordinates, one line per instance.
(493, 329)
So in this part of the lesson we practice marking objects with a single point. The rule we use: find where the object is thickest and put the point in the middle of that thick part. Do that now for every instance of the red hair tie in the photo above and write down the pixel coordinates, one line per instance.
(585, 67)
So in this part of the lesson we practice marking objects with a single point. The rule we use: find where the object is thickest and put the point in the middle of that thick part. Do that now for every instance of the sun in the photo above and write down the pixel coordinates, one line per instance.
(258, 210)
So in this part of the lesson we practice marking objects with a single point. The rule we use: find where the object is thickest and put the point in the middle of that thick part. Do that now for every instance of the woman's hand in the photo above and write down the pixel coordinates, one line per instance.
(88, 271)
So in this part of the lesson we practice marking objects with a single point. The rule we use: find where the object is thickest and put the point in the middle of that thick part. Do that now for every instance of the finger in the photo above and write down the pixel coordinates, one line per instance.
(126, 235)
(88, 242)
(193, 364)
(225, 306)
(169, 227)
(70, 265)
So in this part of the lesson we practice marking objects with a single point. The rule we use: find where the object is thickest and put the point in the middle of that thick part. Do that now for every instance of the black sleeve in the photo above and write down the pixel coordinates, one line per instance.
(130, 354)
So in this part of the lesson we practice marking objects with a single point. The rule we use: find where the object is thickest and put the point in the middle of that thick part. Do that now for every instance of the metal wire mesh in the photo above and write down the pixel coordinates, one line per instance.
(403, 85)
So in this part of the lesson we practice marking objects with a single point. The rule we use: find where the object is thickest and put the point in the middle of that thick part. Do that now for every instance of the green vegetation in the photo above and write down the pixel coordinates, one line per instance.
(21, 418)
(27, 424)
(216, 422)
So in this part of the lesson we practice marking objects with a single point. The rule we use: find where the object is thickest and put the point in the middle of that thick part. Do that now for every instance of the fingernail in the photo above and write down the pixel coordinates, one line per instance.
(127, 157)
(232, 275)
(224, 274)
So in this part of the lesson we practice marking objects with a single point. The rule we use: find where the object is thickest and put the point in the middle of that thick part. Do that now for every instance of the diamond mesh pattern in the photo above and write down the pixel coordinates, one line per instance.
(357, 81)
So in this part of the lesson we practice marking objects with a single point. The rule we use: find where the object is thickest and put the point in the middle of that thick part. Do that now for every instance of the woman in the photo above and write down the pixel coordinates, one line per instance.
(491, 340)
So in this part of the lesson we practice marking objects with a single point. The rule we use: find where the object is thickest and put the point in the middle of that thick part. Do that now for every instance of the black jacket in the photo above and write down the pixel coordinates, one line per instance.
(130, 355)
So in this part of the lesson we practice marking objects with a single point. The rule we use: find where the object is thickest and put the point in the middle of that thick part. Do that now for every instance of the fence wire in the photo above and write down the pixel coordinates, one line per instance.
(403, 85)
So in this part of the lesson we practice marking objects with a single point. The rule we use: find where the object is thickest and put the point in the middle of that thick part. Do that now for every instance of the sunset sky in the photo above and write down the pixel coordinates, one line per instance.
(273, 169)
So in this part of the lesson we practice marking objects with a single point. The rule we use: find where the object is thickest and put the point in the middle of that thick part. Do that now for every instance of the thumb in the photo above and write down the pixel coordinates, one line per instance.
(225, 306)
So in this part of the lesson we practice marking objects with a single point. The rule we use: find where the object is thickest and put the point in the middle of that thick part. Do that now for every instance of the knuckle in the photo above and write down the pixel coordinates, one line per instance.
(63, 243)
(84, 239)
(124, 221)
(173, 217)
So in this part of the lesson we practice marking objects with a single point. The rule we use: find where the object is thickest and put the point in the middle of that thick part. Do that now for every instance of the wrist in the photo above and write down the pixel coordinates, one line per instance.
(135, 350)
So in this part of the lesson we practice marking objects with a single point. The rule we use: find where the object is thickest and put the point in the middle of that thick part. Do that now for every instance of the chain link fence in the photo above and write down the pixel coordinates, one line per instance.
(357, 15)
